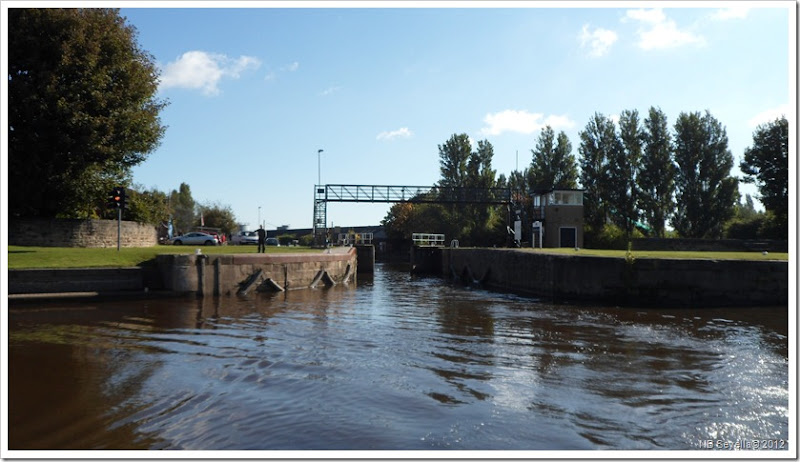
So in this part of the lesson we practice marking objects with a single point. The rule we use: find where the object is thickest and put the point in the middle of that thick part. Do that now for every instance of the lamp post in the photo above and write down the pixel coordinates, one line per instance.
(259, 215)
(319, 170)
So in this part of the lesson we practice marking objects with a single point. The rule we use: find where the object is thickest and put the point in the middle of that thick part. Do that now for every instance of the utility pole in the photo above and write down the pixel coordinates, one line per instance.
(119, 228)
(319, 168)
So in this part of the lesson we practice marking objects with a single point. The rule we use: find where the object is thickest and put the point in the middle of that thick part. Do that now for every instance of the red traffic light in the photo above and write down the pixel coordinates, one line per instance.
(117, 197)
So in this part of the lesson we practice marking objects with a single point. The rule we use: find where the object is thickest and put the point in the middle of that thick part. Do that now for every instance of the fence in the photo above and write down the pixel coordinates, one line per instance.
(355, 239)
(428, 240)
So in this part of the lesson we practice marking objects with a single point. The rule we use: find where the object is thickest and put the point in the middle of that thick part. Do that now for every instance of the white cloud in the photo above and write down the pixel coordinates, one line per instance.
(203, 71)
(735, 12)
(272, 75)
(599, 40)
(330, 90)
(659, 32)
(768, 116)
(399, 133)
(522, 122)
(653, 16)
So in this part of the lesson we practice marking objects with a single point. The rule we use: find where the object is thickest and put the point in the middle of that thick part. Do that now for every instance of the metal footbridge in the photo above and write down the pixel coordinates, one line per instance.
(392, 194)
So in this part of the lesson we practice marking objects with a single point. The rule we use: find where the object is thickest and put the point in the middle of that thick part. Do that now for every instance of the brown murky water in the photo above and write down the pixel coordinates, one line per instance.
(397, 363)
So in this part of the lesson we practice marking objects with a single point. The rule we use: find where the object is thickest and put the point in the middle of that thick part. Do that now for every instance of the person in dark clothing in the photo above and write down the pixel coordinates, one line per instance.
(262, 237)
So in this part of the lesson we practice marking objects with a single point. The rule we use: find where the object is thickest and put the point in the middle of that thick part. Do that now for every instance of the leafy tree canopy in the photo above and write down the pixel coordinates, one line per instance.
(656, 179)
(82, 108)
(553, 164)
(184, 209)
(599, 144)
(706, 192)
(219, 216)
(766, 164)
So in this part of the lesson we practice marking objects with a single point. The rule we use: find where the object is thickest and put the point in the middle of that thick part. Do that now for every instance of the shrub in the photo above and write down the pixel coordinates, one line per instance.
(608, 237)
(286, 239)
(307, 240)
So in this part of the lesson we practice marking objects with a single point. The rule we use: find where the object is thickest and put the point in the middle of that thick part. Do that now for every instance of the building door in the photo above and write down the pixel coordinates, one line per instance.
(536, 235)
(568, 237)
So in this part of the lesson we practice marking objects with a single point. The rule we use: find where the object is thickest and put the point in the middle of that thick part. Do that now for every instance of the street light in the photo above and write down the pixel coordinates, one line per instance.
(259, 214)
(319, 170)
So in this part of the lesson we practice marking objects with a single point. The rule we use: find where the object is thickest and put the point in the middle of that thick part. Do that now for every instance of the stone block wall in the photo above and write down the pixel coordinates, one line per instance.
(44, 232)
(37, 281)
(226, 274)
(643, 282)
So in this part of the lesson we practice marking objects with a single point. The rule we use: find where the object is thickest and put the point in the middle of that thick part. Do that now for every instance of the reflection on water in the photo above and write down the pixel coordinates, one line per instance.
(395, 363)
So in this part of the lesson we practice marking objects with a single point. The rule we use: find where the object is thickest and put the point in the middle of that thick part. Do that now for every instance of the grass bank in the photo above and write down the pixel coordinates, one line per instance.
(20, 257)
(682, 255)
(67, 257)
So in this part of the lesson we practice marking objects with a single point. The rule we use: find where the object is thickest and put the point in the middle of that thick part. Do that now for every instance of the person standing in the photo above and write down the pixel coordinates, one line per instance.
(262, 237)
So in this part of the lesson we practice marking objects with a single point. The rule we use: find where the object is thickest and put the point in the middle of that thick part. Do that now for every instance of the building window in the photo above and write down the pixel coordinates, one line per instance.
(565, 198)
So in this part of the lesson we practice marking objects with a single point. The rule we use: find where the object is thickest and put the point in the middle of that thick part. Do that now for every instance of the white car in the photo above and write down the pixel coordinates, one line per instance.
(244, 238)
(195, 238)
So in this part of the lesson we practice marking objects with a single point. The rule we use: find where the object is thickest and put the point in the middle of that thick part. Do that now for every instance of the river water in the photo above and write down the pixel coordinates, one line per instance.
(394, 363)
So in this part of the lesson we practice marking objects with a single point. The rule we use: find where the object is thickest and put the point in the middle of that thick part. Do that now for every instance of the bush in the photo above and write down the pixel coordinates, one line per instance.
(307, 240)
(762, 226)
(610, 237)
(774, 227)
(286, 239)
(741, 228)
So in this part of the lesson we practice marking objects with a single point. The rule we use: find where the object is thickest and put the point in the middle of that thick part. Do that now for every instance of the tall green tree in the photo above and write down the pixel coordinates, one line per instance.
(553, 164)
(463, 167)
(766, 163)
(184, 209)
(623, 170)
(599, 144)
(706, 193)
(454, 156)
(484, 220)
(219, 216)
(522, 202)
(82, 108)
(656, 177)
(147, 206)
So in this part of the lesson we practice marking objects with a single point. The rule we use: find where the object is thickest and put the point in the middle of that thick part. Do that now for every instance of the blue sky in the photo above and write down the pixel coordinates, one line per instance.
(255, 91)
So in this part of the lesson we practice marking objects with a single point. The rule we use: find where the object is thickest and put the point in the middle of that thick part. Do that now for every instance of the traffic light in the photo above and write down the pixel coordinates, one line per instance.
(116, 198)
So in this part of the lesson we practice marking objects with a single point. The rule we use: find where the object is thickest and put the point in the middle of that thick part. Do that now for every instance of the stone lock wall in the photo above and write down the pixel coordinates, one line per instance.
(231, 274)
(44, 232)
(642, 282)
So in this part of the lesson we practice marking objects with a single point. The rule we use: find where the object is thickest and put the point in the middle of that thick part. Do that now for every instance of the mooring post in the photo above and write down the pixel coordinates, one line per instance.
(217, 277)
(201, 274)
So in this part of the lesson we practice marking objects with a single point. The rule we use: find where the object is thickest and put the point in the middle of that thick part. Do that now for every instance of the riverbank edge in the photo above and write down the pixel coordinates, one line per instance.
(560, 278)
(182, 275)
(644, 282)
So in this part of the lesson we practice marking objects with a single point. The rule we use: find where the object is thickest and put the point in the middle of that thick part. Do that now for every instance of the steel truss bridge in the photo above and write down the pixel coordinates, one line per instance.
(391, 194)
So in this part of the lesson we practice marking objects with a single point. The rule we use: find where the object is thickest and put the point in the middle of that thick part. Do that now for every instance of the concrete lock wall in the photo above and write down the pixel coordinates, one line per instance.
(243, 273)
(710, 245)
(44, 232)
(38, 281)
(641, 282)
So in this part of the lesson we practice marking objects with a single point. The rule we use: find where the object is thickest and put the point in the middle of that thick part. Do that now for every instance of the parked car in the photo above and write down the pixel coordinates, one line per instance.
(245, 238)
(195, 238)
(272, 241)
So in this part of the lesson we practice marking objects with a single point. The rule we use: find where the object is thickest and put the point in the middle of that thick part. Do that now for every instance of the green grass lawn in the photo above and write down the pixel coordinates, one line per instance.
(67, 257)
(669, 254)
(73, 257)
